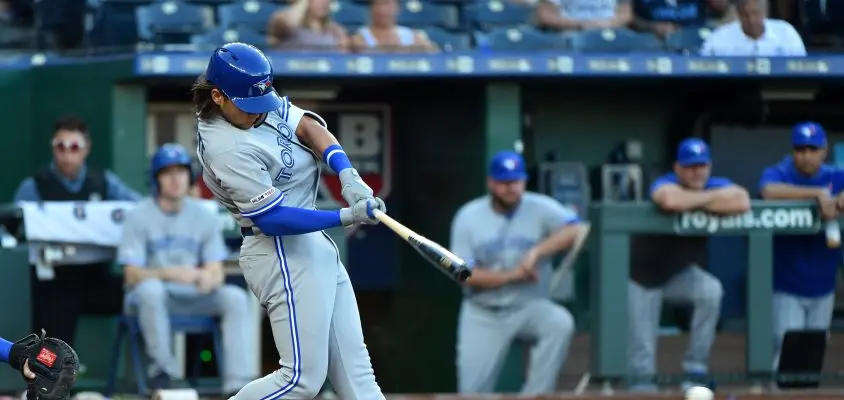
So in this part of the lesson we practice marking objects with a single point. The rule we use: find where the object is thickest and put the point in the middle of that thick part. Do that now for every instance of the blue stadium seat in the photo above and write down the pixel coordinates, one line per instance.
(172, 21)
(219, 36)
(524, 38)
(491, 14)
(448, 41)
(418, 14)
(249, 14)
(616, 41)
(687, 40)
(349, 14)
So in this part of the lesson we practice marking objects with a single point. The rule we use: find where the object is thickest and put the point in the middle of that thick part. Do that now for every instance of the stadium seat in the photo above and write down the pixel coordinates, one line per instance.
(129, 325)
(616, 41)
(219, 36)
(448, 41)
(418, 14)
(172, 21)
(349, 14)
(491, 14)
(250, 14)
(687, 40)
(523, 38)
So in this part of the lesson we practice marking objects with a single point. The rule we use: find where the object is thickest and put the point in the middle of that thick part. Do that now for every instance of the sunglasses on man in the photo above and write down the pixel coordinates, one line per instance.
(71, 146)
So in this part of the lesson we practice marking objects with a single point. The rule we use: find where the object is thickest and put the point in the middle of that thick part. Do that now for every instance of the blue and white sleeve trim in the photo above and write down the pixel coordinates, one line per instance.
(284, 110)
(264, 208)
(336, 158)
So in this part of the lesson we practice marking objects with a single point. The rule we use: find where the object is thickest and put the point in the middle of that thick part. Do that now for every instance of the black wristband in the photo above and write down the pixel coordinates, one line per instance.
(17, 355)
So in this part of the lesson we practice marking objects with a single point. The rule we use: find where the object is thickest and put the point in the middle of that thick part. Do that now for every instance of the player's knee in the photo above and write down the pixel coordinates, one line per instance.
(150, 293)
(560, 324)
(711, 293)
(232, 299)
(308, 384)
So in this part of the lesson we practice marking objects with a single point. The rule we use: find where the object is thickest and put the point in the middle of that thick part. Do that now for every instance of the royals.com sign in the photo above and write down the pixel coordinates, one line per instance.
(761, 217)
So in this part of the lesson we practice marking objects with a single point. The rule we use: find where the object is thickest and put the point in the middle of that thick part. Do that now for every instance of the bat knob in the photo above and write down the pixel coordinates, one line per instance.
(462, 273)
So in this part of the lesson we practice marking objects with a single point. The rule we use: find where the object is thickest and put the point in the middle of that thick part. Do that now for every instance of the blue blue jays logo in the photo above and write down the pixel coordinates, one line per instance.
(264, 84)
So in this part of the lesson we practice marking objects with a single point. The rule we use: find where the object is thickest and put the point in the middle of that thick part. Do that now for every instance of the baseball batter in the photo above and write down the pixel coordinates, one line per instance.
(508, 236)
(172, 250)
(805, 267)
(261, 160)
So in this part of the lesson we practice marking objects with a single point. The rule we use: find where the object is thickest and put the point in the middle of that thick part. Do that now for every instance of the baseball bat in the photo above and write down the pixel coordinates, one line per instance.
(571, 257)
(444, 260)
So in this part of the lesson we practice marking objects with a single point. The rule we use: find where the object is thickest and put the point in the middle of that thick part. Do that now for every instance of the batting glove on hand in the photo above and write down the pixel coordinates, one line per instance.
(362, 212)
(353, 188)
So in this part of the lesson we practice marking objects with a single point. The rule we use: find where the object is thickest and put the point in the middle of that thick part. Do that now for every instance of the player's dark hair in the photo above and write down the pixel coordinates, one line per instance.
(205, 106)
(73, 124)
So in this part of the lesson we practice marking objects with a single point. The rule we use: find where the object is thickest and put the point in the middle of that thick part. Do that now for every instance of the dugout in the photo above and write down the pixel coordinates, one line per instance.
(441, 131)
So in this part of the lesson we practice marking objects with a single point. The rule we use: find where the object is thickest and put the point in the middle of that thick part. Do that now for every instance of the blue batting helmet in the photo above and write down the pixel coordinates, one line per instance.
(169, 155)
(244, 74)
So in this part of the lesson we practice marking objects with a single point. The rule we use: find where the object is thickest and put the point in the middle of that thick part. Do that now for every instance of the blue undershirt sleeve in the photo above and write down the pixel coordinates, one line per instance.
(285, 221)
(5, 348)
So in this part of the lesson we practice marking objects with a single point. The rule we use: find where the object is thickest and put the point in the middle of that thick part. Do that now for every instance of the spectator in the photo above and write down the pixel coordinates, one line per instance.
(667, 268)
(664, 17)
(510, 235)
(754, 35)
(90, 288)
(720, 12)
(383, 34)
(15, 25)
(306, 25)
(60, 24)
(172, 250)
(805, 267)
(572, 15)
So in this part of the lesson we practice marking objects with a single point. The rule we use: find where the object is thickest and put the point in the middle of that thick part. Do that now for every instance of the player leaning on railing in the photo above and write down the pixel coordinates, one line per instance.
(48, 365)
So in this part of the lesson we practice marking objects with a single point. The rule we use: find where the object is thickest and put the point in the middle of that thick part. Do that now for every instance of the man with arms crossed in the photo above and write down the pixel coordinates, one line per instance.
(804, 266)
(172, 249)
(508, 236)
(667, 268)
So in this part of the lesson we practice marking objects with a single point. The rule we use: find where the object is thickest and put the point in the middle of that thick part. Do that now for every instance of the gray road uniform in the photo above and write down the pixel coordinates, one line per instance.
(490, 320)
(299, 279)
(189, 238)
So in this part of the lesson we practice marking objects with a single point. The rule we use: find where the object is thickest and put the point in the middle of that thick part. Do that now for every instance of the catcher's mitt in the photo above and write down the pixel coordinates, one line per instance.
(54, 363)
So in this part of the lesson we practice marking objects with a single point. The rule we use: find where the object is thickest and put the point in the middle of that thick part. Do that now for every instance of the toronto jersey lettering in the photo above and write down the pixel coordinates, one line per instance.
(250, 172)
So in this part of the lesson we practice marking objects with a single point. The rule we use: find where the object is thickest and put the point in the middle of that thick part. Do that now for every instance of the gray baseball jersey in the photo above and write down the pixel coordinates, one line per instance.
(155, 239)
(498, 242)
(299, 279)
(491, 319)
(191, 237)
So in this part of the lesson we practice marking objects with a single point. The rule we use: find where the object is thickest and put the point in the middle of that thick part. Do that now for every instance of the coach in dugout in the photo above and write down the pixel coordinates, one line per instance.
(85, 287)
(805, 266)
(668, 268)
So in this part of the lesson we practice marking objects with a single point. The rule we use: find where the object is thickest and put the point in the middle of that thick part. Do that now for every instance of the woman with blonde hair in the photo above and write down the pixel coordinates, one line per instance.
(306, 25)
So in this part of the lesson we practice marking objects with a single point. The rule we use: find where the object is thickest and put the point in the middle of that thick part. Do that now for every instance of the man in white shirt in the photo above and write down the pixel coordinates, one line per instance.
(754, 35)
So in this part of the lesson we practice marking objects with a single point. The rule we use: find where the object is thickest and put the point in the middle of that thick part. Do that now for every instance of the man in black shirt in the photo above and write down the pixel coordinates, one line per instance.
(668, 267)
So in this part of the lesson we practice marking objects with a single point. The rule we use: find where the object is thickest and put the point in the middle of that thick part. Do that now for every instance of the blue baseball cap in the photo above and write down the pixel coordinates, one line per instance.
(507, 166)
(693, 151)
(808, 134)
